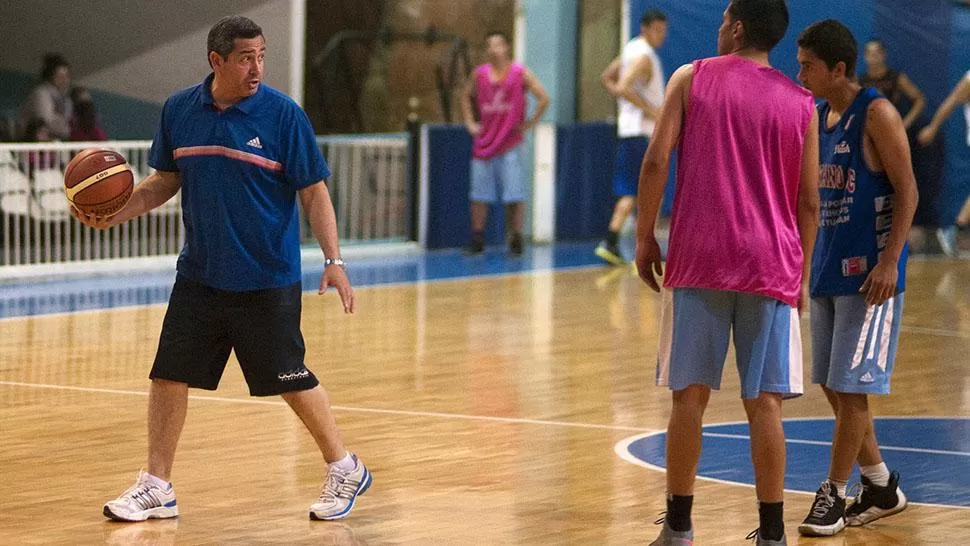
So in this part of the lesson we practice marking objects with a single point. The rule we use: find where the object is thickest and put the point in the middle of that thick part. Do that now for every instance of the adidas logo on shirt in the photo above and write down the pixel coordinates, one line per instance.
(255, 143)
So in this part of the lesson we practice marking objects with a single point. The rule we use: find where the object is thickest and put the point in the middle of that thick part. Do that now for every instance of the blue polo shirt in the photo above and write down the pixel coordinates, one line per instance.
(241, 169)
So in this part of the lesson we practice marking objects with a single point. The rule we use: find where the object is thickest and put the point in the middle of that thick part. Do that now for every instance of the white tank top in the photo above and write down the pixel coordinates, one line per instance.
(631, 121)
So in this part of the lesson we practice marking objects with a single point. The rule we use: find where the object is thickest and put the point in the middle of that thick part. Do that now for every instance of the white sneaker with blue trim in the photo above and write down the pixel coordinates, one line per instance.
(144, 500)
(340, 492)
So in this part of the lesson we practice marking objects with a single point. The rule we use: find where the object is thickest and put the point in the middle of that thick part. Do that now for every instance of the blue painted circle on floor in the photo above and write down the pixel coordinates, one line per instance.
(932, 455)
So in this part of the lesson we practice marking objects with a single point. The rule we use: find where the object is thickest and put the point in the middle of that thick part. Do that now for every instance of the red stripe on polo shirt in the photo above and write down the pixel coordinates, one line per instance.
(254, 159)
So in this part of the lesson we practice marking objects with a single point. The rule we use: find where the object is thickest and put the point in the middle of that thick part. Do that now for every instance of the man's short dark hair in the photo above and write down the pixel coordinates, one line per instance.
(832, 42)
(52, 61)
(223, 34)
(765, 21)
(492, 33)
(652, 16)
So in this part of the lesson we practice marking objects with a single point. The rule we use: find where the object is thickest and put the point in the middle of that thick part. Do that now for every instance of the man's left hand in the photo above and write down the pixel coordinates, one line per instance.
(335, 276)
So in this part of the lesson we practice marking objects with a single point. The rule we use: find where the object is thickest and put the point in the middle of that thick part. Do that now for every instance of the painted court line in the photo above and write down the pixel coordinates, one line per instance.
(828, 444)
(407, 413)
(622, 450)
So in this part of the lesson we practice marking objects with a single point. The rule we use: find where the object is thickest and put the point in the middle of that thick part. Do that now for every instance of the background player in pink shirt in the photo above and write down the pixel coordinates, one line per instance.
(744, 220)
(498, 89)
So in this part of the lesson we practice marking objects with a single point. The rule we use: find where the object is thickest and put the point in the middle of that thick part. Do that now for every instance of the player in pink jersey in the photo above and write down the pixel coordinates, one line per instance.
(498, 90)
(745, 218)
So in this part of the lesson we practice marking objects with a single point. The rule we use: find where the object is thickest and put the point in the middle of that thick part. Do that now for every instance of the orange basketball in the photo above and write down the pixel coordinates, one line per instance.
(98, 182)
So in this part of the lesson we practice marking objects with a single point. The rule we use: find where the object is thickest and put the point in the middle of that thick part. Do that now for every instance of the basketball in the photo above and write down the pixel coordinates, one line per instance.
(98, 182)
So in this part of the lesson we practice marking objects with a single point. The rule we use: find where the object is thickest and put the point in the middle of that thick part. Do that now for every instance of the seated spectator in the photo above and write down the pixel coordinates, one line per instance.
(37, 130)
(49, 101)
(85, 125)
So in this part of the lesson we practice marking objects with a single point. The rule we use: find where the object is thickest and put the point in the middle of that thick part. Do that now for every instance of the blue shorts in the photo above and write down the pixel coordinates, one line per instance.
(504, 169)
(626, 170)
(695, 327)
(853, 344)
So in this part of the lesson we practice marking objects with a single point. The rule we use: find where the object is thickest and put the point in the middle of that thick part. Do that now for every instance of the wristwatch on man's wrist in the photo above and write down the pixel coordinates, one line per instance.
(334, 261)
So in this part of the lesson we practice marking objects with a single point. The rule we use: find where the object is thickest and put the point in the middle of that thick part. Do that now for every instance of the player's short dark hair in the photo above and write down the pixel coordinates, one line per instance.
(492, 33)
(52, 61)
(765, 21)
(223, 34)
(652, 16)
(832, 42)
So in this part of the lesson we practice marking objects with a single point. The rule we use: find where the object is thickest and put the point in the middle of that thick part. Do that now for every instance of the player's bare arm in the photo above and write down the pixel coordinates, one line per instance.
(808, 204)
(959, 95)
(653, 173)
(318, 208)
(642, 70)
(611, 77)
(151, 193)
(915, 96)
(467, 111)
(534, 86)
(890, 149)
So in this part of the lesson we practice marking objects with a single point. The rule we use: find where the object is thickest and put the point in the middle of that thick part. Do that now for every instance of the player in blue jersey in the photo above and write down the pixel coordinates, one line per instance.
(241, 153)
(868, 198)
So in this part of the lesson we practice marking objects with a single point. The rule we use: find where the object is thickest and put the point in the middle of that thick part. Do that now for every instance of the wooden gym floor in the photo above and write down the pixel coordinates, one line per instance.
(487, 408)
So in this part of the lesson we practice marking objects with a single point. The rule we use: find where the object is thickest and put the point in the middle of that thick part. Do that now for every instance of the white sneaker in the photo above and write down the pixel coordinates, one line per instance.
(142, 501)
(947, 237)
(340, 491)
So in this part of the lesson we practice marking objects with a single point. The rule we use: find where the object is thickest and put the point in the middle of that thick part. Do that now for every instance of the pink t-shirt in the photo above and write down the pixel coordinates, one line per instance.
(734, 224)
(501, 107)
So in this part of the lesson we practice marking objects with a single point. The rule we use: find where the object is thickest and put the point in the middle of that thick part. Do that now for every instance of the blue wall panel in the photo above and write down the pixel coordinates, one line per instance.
(449, 220)
(923, 34)
(956, 186)
(584, 180)
(693, 27)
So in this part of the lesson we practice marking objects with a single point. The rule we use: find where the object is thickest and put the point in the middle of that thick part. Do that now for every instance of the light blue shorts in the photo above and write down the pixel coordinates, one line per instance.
(853, 344)
(695, 328)
(503, 170)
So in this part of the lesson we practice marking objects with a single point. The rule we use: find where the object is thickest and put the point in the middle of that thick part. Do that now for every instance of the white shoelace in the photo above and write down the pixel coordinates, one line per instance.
(823, 500)
(338, 486)
(856, 491)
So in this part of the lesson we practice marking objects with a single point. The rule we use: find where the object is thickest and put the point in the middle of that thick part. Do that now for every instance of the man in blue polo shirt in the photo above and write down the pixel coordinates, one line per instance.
(241, 153)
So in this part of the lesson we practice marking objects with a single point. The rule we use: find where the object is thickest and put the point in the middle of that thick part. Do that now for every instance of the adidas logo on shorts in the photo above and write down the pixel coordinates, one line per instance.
(866, 378)
(255, 143)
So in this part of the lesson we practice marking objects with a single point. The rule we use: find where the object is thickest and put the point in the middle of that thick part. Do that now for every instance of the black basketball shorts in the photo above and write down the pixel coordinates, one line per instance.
(203, 324)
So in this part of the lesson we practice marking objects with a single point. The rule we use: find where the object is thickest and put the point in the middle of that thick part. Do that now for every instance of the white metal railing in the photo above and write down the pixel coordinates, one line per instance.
(369, 187)
(35, 223)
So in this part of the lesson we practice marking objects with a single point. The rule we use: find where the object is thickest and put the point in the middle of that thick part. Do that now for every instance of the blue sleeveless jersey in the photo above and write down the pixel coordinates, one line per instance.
(856, 203)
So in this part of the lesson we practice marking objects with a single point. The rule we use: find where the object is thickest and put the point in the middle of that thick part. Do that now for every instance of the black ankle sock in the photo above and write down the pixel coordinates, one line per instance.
(678, 512)
(771, 515)
(612, 237)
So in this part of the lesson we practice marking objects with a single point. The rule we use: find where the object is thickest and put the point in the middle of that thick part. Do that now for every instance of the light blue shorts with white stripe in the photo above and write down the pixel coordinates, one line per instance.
(696, 327)
(854, 344)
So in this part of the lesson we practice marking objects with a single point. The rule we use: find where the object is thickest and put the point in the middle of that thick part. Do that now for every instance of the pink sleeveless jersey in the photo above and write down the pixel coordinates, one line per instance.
(501, 107)
(734, 224)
